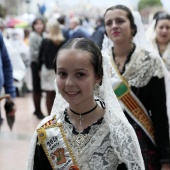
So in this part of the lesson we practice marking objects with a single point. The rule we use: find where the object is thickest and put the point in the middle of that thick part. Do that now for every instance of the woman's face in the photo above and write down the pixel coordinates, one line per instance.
(39, 26)
(75, 76)
(118, 26)
(163, 31)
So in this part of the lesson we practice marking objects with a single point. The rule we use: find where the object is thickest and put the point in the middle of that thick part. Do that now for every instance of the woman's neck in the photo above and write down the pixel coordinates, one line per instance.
(39, 33)
(121, 54)
(83, 107)
(87, 119)
(161, 46)
(122, 50)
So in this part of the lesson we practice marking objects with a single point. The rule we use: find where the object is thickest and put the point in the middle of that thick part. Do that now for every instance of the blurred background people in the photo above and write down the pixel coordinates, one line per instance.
(6, 75)
(16, 40)
(99, 32)
(18, 53)
(77, 30)
(159, 34)
(26, 36)
(64, 29)
(35, 39)
(48, 51)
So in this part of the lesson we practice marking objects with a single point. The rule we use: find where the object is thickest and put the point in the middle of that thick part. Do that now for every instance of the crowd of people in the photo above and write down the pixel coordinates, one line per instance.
(33, 63)
(107, 92)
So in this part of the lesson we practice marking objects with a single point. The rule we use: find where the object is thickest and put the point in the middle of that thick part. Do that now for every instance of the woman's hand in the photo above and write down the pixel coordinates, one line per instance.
(165, 167)
(6, 96)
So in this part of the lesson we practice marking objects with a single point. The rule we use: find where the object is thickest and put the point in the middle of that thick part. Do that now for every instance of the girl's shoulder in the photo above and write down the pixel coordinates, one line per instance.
(46, 122)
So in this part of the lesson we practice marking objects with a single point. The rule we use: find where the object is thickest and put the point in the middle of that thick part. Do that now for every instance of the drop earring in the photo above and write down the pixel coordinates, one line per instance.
(96, 90)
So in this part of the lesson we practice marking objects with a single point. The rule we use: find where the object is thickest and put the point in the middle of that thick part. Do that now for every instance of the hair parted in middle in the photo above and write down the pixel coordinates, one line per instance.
(161, 16)
(87, 46)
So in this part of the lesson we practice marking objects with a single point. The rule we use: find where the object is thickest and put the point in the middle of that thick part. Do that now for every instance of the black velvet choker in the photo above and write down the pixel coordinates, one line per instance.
(84, 112)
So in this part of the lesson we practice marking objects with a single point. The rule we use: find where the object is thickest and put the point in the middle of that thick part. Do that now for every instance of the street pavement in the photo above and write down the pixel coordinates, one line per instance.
(14, 145)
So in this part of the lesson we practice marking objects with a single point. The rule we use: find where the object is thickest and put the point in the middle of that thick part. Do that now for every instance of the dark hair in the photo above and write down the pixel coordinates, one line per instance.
(161, 16)
(26, 33)
(88, 46)
(61, 19)
(101, 20)
(157, 14)
(35, 22)
(129, 15)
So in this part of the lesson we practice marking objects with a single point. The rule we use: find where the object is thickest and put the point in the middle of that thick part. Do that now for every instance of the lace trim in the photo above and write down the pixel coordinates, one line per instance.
(165, 55)
(141, 68)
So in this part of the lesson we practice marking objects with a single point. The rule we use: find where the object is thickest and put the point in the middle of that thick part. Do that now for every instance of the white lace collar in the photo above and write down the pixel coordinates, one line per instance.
(142, 67)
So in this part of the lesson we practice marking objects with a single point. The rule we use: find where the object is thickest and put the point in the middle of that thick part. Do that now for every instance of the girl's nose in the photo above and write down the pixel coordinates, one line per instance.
(70, 81)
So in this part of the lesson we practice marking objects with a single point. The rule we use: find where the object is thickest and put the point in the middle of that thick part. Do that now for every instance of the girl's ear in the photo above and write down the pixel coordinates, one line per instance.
(98, 80)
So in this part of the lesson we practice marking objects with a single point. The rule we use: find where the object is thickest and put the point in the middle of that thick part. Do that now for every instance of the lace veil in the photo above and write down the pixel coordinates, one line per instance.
(150, 32)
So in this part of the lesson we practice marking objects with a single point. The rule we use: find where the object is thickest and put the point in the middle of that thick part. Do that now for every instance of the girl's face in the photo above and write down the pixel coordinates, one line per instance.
(163, 31)
(75, 76)
(117, 26)
(39, 26)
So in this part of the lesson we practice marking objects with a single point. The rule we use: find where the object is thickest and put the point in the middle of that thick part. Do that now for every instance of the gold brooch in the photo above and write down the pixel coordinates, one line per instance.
(41, 135)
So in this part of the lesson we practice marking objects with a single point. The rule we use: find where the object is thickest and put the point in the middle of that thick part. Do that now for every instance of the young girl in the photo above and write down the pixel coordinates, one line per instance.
(84, 131)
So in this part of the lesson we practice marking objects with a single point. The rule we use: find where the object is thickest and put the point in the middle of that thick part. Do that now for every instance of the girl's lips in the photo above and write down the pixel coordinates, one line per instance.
(72, 93)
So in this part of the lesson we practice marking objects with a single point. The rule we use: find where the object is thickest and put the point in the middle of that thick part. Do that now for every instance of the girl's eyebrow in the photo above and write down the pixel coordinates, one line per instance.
(78, 69)
(83, 69)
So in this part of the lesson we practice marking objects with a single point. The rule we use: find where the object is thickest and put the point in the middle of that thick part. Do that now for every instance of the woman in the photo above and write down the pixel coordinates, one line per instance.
(160, 36)
(48, 50)
(6, 81)
(35, 38)
(84, 131)
(138, 79)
